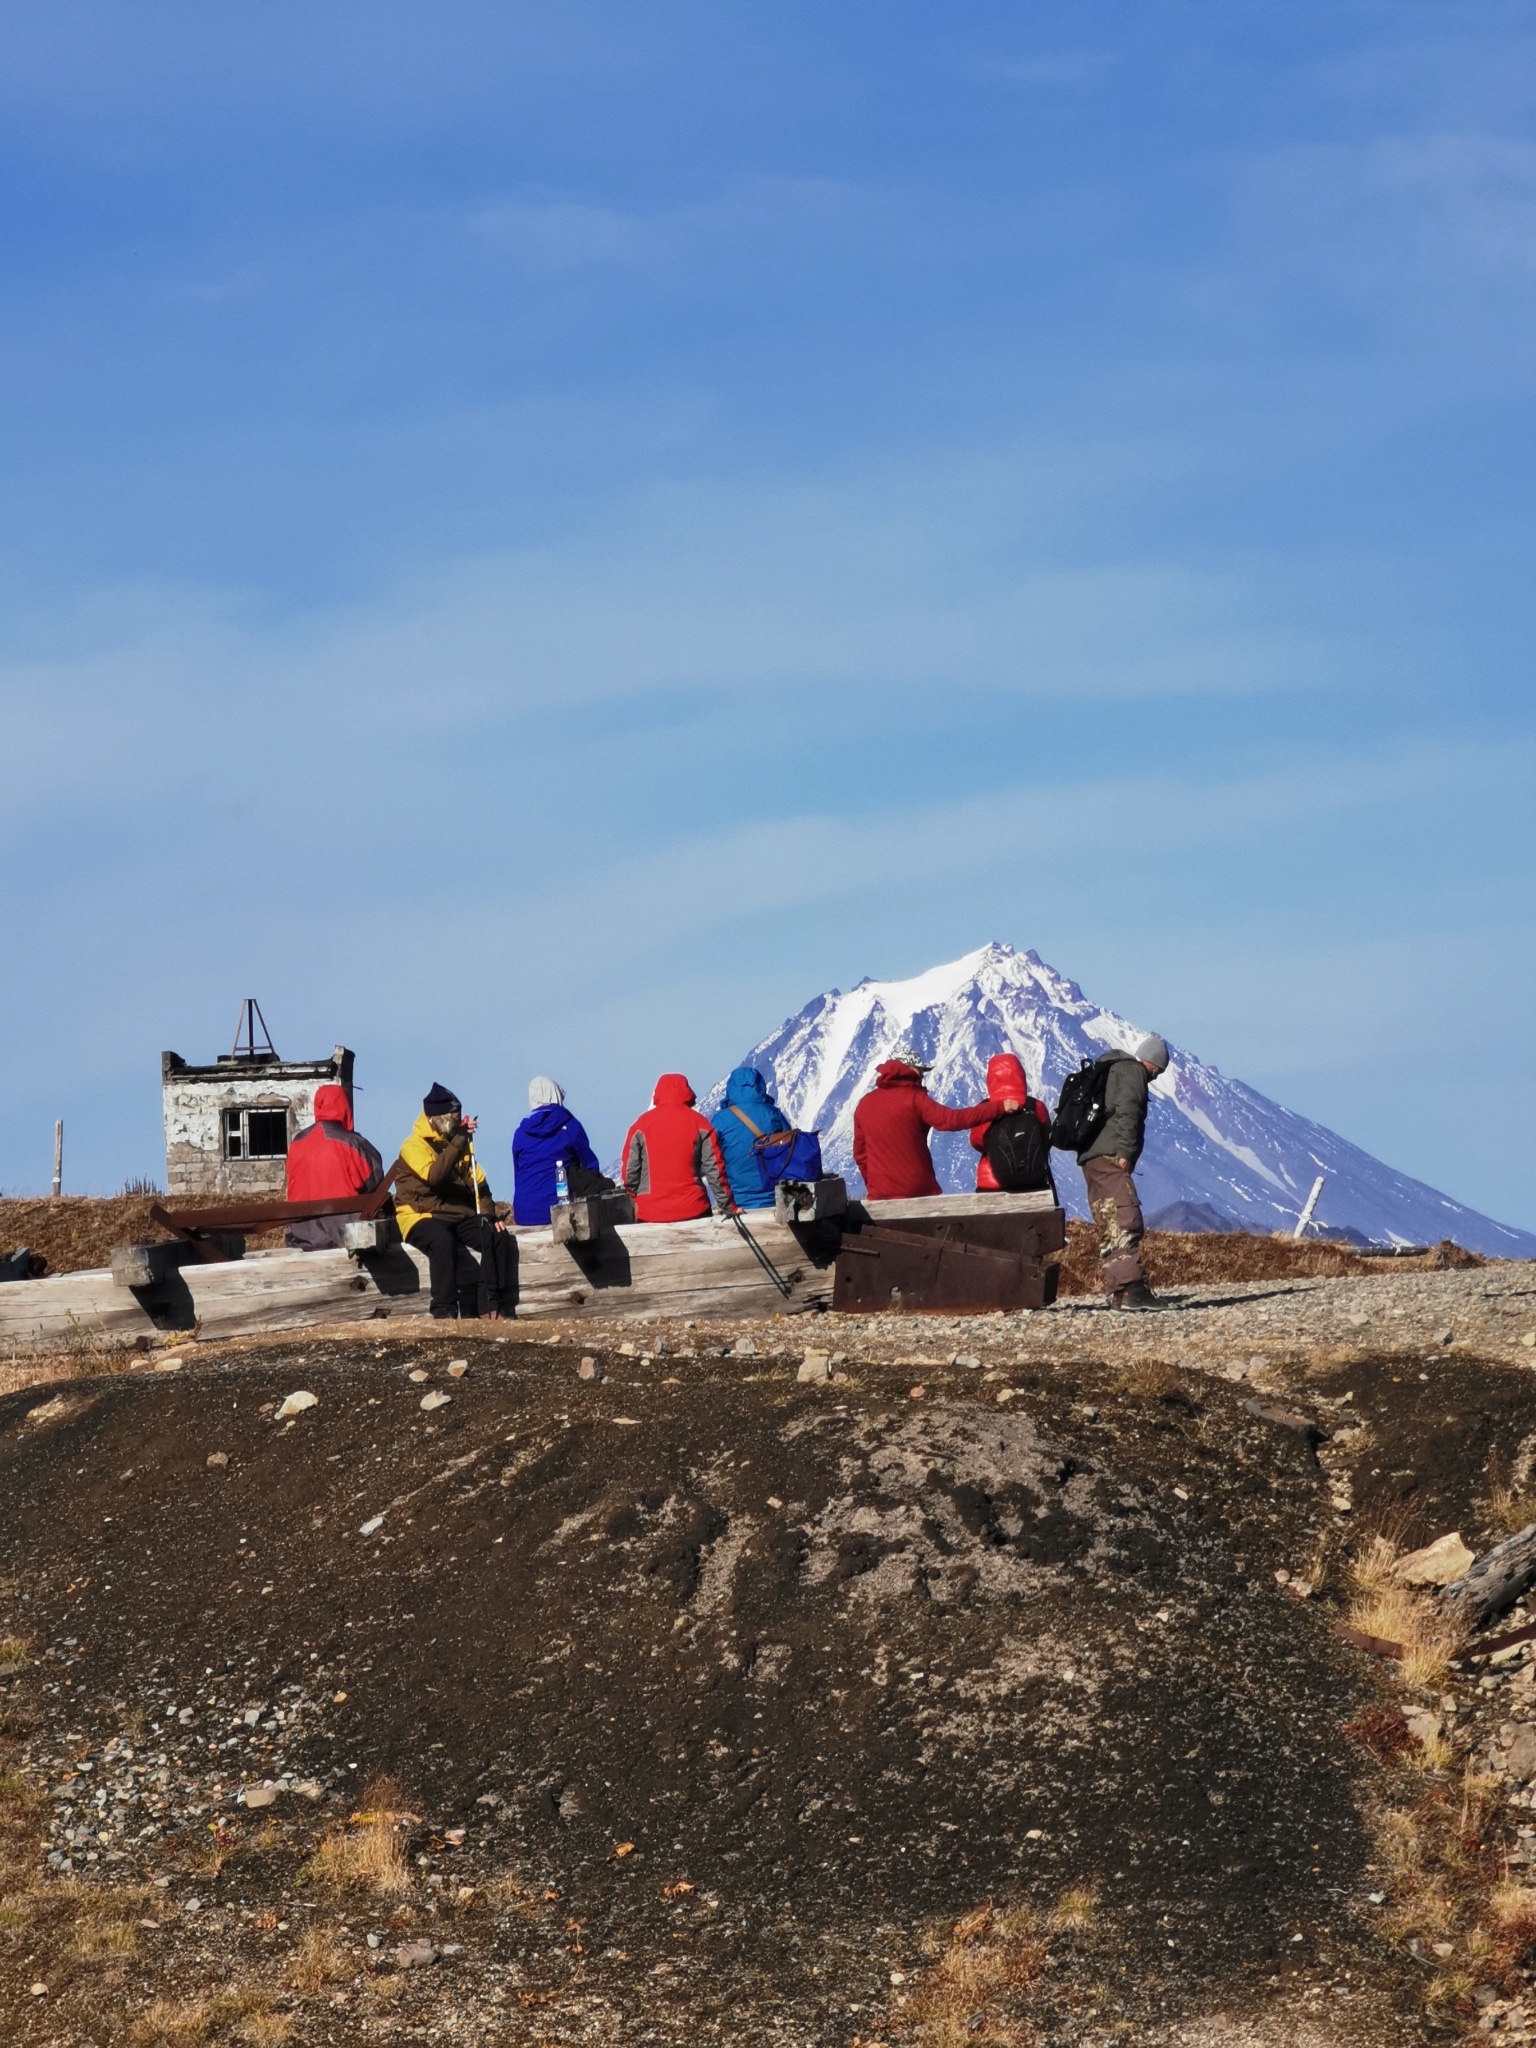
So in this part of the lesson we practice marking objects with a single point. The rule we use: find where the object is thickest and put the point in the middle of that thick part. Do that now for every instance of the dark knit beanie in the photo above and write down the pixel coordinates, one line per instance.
(440, 1101)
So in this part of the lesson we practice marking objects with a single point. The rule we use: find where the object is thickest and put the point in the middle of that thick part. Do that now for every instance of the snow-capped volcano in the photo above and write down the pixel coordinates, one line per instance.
(1209, 1139)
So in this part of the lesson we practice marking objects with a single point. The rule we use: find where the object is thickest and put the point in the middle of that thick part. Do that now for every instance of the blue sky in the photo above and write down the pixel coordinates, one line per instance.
(540, 537)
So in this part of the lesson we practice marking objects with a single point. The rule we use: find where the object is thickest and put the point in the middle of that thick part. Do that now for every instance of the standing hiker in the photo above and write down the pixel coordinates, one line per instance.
(1015, 1147)
(326, 1161)
(891, 1126)
(444, 1207)
(672, 1161)
(548, 1138)
(1108, 1162)
(748, 1113)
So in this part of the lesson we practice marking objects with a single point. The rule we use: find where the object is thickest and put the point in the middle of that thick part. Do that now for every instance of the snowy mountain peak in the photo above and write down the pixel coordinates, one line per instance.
(1209, 1140)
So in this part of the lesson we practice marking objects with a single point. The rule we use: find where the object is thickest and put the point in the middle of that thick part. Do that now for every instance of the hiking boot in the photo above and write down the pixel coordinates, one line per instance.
(1137, 1295)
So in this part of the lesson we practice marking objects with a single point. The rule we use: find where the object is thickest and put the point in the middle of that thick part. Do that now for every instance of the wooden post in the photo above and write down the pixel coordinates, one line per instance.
(1304, 1220)
(58, 1156)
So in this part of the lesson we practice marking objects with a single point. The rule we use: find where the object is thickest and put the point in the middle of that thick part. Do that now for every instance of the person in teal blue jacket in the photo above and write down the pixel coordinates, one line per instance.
(748, 1113)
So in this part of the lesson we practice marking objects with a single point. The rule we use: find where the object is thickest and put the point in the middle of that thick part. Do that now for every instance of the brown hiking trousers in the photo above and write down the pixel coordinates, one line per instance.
(1117, 1212)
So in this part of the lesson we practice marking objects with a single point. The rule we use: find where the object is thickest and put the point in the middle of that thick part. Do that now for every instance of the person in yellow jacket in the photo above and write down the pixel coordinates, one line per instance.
(444, 1207)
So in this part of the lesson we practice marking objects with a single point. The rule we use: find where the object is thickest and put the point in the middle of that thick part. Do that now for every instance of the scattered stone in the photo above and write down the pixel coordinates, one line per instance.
(589, 1369)
(815, 1367)
(436, 1399)
(1424, 1724)
(1520, 1763)
(966, 1358)
(168, 1365)
(626, 1349)
(456, 1836)
(457, 1367)
(1445, 1336)
(416, 1955)
(1437, 1564)
(217, 1460)
(418, 1375)
(38, 1990)
(744, 1348)
(1529, 1340)
(259, 1795)
(296, 1405)
(375, 1523)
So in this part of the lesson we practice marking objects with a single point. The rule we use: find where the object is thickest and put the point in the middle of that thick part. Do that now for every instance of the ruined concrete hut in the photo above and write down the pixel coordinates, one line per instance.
(228, 1126)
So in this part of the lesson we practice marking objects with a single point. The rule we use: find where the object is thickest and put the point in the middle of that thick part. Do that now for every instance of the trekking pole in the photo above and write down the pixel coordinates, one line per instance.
(784, 1286)
(488, 1288)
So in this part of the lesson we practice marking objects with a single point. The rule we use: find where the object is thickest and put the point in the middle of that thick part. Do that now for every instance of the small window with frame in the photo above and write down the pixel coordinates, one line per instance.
(255, 1133)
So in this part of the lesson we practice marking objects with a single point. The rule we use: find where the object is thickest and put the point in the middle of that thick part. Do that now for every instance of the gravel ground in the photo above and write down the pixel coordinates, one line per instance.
(718, 1698)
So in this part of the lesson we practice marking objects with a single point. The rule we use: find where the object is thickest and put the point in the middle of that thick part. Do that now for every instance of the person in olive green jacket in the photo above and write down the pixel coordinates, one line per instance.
(444, 1207)
(1108, 1163)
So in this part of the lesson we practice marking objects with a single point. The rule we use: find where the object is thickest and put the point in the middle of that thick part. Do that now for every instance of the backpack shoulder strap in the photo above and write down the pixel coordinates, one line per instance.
(736, 1110)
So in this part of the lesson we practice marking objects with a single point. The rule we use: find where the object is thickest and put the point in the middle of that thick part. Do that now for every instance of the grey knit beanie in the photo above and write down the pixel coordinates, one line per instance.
(1154, 1053)
(544, 1093)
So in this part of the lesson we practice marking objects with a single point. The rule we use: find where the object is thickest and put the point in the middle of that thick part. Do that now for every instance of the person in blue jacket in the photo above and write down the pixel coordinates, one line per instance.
(748, 1113)
(548, 1134)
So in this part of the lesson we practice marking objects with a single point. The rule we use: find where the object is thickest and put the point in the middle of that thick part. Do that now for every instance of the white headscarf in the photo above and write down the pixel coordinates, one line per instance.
(544, 1093)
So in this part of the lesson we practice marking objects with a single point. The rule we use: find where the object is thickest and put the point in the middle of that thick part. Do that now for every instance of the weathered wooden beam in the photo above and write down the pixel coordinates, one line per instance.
(1496, 1581)
(699, 1269)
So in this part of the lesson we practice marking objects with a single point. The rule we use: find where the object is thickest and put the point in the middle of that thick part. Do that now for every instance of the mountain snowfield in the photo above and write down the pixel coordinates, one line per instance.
(1208, 1139)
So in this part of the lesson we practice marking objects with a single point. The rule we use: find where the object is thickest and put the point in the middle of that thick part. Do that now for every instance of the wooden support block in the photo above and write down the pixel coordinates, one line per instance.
(149, 1265)
(810, 1201)
(584, 1220)
(366, 1234)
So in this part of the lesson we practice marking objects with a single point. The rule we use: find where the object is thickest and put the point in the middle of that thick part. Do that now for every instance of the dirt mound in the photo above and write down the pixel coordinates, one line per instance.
(76, 1233)
(1207, 1259)
(737, 1687)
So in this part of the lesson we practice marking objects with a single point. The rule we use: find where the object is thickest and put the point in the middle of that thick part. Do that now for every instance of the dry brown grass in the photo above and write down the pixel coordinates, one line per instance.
(1510, 1508)
(319, 1959)
(368, 1854)
(1513, 1907)
(962, 2000)
(183, 2022)
(103, 1941)
(1380, 1606)
(1151, 1379)
(13, 1654)
(1077, 1907)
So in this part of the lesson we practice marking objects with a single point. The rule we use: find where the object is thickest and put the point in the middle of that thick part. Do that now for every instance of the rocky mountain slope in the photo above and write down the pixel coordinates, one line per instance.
(1209, 1139)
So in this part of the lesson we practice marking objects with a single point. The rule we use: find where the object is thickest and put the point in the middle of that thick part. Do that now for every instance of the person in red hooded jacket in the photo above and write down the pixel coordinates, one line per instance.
(672, 1158)
(1008, 1095)
(326, 1160)
(891, 1126)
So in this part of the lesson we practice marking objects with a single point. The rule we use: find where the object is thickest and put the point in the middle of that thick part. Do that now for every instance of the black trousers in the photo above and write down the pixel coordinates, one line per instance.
(461, 1286)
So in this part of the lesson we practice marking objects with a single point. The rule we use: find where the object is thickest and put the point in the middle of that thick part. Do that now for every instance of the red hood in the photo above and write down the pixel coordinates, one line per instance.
(897, 1074)
(673, 1092)
(332, 1106)
(1005, 1078)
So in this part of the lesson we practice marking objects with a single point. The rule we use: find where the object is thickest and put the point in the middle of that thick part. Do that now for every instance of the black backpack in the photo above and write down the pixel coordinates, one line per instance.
(1018, 1151)
(1080, 1108)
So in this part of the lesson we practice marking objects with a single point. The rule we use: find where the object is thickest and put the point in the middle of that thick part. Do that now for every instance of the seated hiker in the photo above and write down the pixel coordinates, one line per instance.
(326, 1160)
(748, 1113)
(444, 1208)
(1015, 1146)
(548, 1137)
(24, 1264)
(672, 1161)
(891, 1126)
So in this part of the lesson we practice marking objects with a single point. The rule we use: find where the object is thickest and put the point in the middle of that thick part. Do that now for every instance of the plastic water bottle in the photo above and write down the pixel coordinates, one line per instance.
(562, 1184)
